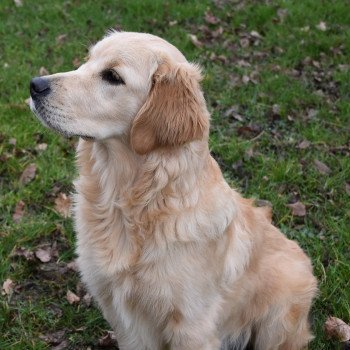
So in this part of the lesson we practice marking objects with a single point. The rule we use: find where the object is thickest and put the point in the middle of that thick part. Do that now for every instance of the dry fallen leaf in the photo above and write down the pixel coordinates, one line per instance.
(347, 188)
(248, 131)
(276, 109)
(321, 167)
(62, 204)
(245, 79)
(210, 18)
(72, 298)
(44, 254)
(43, 71)
(12, 141)
(61, 346)
(298, 209)
(304, 144)
(87, 299)
(255, 34)
(28, 174)
(244, 42)
(263, 203)
(337, 329)
(18, 3)
(76, 62)
(19, 252)
(107, 340)
(322, 26)
(305, 29)
(53, 338)
(41, 146)
(311, 113)
(233, 112)
(73, 265)
(249, 153)
(19, 212)
(61, 38)
(7, 287)
(282, 14)
(195, 40)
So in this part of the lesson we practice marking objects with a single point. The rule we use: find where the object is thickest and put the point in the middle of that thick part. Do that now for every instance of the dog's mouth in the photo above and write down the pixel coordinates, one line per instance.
(53, 120)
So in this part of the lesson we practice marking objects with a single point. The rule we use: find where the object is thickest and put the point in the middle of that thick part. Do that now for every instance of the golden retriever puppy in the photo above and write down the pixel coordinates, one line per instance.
(175, 258)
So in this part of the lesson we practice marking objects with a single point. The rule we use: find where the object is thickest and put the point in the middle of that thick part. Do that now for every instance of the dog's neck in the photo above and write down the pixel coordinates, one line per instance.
(133, 201)
(127, 179)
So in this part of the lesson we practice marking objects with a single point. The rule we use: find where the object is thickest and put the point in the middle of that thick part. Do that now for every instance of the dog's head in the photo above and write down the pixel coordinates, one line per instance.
(134, 85)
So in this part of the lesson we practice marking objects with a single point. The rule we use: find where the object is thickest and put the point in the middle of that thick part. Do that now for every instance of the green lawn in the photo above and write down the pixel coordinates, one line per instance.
(276, 74)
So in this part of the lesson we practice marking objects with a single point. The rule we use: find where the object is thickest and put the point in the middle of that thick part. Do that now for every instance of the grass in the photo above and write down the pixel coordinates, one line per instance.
(298, 89)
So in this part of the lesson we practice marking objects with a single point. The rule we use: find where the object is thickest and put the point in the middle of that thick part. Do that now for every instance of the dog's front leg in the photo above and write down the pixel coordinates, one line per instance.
(186, 343)
(193, 335)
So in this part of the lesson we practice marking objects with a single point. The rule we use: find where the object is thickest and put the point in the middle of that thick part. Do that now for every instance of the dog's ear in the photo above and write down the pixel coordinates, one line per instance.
(174, 113)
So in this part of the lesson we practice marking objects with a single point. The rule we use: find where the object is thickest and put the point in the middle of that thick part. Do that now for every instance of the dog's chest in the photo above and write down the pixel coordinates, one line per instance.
(164, 283)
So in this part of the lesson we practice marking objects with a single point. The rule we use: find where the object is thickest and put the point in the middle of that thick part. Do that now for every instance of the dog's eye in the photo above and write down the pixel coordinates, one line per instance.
(112, 77)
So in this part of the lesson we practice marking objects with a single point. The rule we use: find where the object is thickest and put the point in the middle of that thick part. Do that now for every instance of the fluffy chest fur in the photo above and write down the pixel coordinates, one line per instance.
(145, 237)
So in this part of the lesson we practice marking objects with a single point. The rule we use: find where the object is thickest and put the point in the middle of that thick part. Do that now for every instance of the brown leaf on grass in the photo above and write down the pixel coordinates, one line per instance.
(245, 79)
(43, 71)
(76, 62)
(12, 141)
(87, 299)
(248, 131)
(73, 265)
(304, 144)
(244, 42)
(243, 63)
(311, 113)
(63, 204)
(337, 329)
(249, 153)
(19, 212)
(233, 112)
(107, 340)
(195, 41)
(28, 174)
(321, 167)
(41, 146)
(61, 38)
(276, 109)
(322, 26)
(255, 34)
(22, 252)
(61, 346)
(210, 18)
(72, 298)
(44, 254)
(7, 287)
(18, 3)
(216, 33)
(298, 209)
(282, 14)
(263, 203)
(54, 338)
(347, 188)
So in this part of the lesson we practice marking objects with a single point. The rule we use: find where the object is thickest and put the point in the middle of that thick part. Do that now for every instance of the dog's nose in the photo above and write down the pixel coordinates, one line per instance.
(39, 86)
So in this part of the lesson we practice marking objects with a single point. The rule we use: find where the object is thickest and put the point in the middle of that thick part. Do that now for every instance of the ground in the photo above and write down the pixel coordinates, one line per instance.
(277, 84)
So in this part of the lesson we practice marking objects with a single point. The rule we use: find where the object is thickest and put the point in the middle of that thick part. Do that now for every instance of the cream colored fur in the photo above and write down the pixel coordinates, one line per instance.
(175, 258)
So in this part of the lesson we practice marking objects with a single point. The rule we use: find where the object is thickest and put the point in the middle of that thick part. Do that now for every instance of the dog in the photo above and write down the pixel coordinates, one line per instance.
(174, 257)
